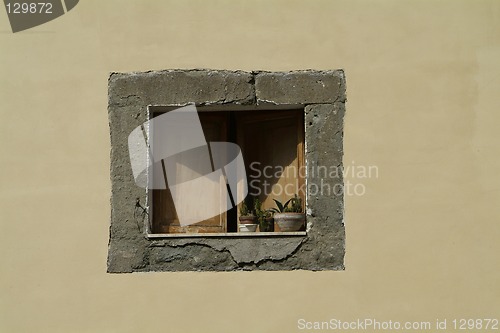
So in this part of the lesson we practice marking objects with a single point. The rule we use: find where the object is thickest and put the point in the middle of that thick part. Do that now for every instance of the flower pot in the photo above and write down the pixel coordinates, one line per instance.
(248, 219)
(248, 227)
(290, 221)
(267, 226)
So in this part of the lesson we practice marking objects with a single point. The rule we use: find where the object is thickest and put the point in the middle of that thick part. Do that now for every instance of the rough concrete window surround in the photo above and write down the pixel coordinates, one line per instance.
(322, 96)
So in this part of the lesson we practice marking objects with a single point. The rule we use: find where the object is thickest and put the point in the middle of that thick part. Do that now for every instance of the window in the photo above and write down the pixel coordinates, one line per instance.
(272, 143)
(288, 125)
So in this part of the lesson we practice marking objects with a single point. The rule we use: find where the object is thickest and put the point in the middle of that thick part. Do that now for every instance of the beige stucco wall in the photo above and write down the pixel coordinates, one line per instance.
(423, 81)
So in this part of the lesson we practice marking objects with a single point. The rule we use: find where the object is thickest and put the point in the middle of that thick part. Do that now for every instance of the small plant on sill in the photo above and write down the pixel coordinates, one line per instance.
(290, 215)
(264, 217)
(247, 218)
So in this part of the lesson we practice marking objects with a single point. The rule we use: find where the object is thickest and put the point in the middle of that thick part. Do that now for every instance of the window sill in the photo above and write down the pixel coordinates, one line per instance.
(231, 235)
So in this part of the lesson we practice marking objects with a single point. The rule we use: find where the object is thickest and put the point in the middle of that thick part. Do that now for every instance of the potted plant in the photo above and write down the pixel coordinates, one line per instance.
(289, 216)
(264, 217)
(248, 221)
(267, 223)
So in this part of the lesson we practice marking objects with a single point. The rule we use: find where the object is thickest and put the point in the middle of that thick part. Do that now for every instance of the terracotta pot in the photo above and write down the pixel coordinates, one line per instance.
(248, 219)
(290, 221)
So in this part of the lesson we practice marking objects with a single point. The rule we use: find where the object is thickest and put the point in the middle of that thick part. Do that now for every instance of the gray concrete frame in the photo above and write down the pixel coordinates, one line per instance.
(322, 96)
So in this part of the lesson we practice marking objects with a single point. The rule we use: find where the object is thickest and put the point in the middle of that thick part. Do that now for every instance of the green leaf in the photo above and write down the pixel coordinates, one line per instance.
(286, 203)
(280, 206)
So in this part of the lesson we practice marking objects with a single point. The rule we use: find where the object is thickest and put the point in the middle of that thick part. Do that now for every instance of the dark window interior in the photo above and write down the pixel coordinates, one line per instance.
(272, 140)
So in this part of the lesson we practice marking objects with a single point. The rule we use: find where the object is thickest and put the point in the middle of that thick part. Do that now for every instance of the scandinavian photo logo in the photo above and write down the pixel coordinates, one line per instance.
(26, 14)
(170, 151)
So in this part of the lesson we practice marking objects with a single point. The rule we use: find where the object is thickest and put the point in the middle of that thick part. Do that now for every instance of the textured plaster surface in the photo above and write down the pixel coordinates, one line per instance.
(322, 94)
